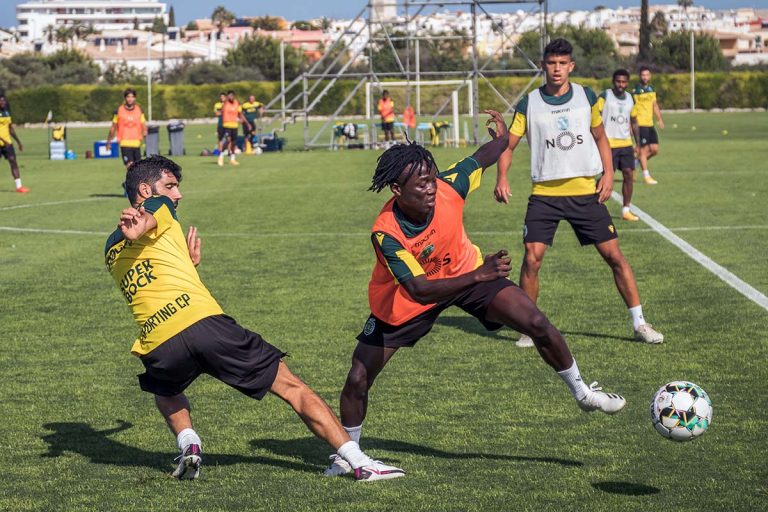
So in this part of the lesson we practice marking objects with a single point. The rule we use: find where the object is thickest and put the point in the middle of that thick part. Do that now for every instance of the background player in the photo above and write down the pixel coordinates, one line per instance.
(231, 117)
(184, 331)
(386, 108)
(619, 116)
(419, 239)
(7, 132)
(219, 126)
(130, 126)
(647, 107)
(568, 149)
(252, 110)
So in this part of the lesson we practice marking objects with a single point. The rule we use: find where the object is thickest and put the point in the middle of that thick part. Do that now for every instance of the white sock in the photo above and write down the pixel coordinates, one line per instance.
(637, 316)
(646, 173)
(573, 379)
(624, 209)
(18, 182)
(231, 155)
(354, 433)
(351, 452)
(187, 437)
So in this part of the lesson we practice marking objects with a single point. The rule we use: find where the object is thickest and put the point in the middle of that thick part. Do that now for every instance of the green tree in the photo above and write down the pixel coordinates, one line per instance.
(222, 17)
(192, 25)
(159, 26)
(201, 73)
(267, 23)
(659, 24)
(118, 74)
(644, 50)
(171, 17)
(672, 52)
(303, 25)
(263, 53)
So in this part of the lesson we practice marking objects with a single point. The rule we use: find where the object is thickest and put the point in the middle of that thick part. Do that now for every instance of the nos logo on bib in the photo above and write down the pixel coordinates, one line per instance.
(566, 139)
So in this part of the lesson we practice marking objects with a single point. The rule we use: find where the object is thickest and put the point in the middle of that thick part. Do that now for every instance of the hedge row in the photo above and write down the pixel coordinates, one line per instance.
(97, 103)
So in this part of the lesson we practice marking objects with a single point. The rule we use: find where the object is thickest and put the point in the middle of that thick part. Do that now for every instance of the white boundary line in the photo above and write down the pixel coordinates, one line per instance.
(699, 257)
(52, 203)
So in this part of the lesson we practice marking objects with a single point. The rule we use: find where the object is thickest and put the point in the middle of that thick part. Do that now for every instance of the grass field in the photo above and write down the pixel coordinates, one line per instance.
(478, 423)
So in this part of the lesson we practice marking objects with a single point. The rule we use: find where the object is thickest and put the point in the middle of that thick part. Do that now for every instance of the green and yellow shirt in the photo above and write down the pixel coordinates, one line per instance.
(5, 128)
(156, 277)
(251, 110)
(645, 97)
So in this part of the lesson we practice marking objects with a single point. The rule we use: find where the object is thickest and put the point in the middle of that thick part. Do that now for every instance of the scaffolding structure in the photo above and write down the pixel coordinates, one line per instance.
(298, 99)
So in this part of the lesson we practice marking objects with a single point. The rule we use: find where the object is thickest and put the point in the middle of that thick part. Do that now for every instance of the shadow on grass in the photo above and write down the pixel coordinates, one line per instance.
(473, 326)
(314, 449)
(626, 488)
(598, 335)
(96, 445)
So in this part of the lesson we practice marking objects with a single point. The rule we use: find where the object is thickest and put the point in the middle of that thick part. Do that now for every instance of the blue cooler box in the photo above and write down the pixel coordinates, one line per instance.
(101, 150)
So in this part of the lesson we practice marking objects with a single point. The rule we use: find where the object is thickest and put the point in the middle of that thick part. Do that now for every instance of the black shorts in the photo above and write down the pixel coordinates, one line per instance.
(475, 301)
(648, 135)
(623, 158)
(230, 134)
(7, 151)
(219, 133)
(215, 345)
(387, 127)
(589, 219)
(130, 155)
(248, 131)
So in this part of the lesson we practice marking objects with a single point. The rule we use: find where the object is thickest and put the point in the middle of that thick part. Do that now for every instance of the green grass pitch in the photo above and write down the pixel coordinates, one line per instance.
(477, 423)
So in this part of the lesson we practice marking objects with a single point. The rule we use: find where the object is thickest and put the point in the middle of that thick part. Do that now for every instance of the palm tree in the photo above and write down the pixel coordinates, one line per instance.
(685, 4)
(222, 17)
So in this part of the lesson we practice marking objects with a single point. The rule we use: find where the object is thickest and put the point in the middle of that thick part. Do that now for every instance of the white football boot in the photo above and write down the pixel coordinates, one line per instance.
(377, 470)
(189, 463)
(647, 334)
(598, 400)
(338, 467)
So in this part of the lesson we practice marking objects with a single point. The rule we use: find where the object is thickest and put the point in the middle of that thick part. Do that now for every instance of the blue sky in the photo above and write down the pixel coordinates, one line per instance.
(304, 9)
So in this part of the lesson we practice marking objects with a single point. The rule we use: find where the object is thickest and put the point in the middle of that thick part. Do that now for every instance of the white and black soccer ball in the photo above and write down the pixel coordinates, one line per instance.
(681, 411)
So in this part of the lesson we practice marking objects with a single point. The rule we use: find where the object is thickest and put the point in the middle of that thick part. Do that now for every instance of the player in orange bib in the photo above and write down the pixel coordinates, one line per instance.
(130, 126)
(231, 117)
(425, 263)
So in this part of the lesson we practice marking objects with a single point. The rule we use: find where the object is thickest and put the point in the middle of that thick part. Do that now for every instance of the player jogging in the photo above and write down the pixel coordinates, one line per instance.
(231, 117)
(252, 110)
(425, 263)
(386, 108)
(568, 149)
(7, 136)
(620, 121)
(647, 107)
(185, 333)
(219, 127)
(130, 126)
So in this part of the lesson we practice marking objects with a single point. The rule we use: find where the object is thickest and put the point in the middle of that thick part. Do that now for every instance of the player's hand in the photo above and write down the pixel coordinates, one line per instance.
(498, 120)
(604, 187)
(134, 223)
(501, 192)
(194, 243)
(21, 147)
(494, 266)
(661, 124)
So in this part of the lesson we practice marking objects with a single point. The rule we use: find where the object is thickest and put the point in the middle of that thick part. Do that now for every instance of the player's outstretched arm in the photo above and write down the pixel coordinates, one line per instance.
(194, 243)
(135, 223)
(426, 291)
(502, 192)
(489, 153)
(605, 185)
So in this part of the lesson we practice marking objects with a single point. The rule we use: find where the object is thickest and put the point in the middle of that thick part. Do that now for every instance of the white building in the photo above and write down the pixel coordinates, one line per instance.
(34, 17)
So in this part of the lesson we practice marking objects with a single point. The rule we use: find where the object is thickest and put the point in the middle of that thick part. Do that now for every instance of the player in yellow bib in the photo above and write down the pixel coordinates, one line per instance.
(184, 332)
(647, 107)
(6, 144)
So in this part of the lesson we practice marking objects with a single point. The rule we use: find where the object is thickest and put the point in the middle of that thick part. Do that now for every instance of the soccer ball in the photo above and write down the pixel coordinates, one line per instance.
(681, 411)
